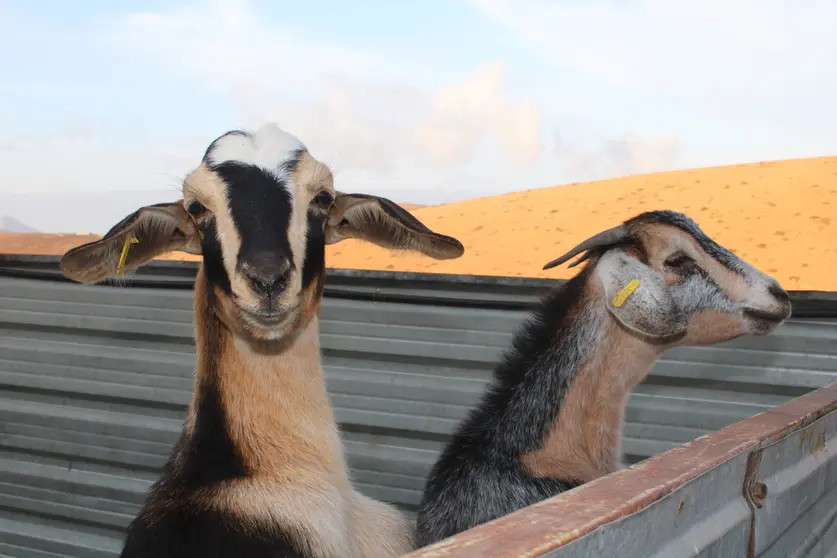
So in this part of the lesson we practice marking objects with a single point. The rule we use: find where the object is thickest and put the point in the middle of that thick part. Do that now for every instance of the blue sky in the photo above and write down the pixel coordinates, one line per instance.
(106, 105)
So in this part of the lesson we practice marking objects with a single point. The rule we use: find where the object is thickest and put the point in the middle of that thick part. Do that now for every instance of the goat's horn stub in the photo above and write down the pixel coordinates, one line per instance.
(604, 238)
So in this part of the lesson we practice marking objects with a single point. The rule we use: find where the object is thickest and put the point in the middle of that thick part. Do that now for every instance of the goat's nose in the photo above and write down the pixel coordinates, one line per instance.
(267, 272)
(778, 292)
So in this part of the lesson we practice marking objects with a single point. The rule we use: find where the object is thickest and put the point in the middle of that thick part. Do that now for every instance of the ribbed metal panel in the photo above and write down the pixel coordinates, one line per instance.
(762, 487)
(94, 381)
(709, 517)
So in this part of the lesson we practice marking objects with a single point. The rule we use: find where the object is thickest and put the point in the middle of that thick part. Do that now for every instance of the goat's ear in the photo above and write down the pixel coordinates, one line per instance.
(141, 236)
(382, 222)
(638, 297)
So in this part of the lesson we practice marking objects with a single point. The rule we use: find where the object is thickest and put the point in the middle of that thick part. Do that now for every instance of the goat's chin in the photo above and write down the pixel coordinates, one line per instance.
(763, 323)
(757, 326)
(268, 326)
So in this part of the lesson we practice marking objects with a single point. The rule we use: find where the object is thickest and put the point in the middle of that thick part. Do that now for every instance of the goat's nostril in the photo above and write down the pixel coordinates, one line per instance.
(267, 278)
(282, 277)
(779, 293)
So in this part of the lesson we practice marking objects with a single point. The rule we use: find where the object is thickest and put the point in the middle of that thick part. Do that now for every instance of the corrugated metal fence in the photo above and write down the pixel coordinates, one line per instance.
(94, 381)
(763, 487)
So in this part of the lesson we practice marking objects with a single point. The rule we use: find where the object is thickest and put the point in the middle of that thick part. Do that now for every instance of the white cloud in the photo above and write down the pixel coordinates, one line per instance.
(77, 158)
(622, 156)
(226, 45)
(359, 107)
(462, 114)
(735, 59)
(389, 127)
(16, 143)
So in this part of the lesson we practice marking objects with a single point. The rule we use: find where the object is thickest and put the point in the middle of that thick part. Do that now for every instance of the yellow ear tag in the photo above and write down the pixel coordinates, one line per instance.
(626, 291)
(124, 256)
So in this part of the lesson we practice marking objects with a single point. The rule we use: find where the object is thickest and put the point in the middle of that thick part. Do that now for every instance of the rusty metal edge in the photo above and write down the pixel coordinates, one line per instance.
(549, 524)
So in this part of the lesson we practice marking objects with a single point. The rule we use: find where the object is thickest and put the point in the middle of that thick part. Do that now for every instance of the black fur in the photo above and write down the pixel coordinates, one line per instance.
(210, 455)
(686, 224)
(478, 476)
(213, 257)
(190, 533)
(314, 266)
(260, 206)
(172, 522)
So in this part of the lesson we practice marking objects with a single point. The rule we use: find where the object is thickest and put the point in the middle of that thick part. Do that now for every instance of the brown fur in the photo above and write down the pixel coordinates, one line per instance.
(265, 364)
(279, 414)
(281, 422)
(661, 241)
(585, 440)
(556, 402)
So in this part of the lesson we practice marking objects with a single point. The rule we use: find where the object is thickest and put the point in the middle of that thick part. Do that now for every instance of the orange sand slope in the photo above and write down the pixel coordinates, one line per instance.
(44, 244)
(781, 216)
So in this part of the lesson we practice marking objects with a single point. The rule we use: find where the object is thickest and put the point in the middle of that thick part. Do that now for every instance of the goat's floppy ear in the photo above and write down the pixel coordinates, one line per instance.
(638, 297)
(141, 236)
(382, 222)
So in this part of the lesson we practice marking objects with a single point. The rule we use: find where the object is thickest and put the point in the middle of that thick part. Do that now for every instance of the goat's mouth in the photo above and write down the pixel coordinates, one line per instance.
(268, 318)
(767, 319)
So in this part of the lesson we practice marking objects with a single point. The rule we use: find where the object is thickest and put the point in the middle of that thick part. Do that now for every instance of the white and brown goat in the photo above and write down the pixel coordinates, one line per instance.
(259, 469)
(552, 417)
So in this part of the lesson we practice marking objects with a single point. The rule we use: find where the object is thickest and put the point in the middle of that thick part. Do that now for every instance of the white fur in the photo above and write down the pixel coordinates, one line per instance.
(268, 148)
(758, 296)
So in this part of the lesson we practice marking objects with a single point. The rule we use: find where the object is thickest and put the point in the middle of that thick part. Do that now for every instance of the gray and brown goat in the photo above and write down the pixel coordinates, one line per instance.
(259, 469)
(552, 417)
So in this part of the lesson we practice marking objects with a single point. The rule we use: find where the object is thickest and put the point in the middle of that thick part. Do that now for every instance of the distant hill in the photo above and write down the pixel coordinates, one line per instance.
(55, 244)
(12, 225)
(96, 212)
(779, 215)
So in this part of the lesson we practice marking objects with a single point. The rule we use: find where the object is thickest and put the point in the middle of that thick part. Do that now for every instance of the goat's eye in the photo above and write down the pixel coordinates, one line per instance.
(679, 261)
(195, 208)
(324, 199)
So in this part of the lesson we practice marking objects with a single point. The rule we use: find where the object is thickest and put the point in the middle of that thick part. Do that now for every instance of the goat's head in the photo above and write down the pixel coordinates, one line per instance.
(666, 280)
(260, 210)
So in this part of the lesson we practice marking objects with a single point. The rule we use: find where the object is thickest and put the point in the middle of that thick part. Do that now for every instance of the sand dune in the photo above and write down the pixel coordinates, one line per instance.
(46, 244)
(781, 216)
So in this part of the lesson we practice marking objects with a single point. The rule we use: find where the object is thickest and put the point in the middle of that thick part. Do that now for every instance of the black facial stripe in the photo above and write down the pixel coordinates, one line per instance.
(687, 225)
(290, 165)
(260, 206)
(699, 271)
(213, 257)
(314, 265)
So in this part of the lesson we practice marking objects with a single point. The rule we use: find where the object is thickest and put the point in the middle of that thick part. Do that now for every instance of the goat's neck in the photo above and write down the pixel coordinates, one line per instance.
(273, 402)
(584, 441)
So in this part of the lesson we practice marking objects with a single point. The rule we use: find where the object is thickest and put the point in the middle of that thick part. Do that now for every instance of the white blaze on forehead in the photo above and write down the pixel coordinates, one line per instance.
(269, 148)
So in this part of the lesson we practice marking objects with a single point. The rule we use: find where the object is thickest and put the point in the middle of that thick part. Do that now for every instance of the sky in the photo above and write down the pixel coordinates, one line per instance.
(105, 106)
